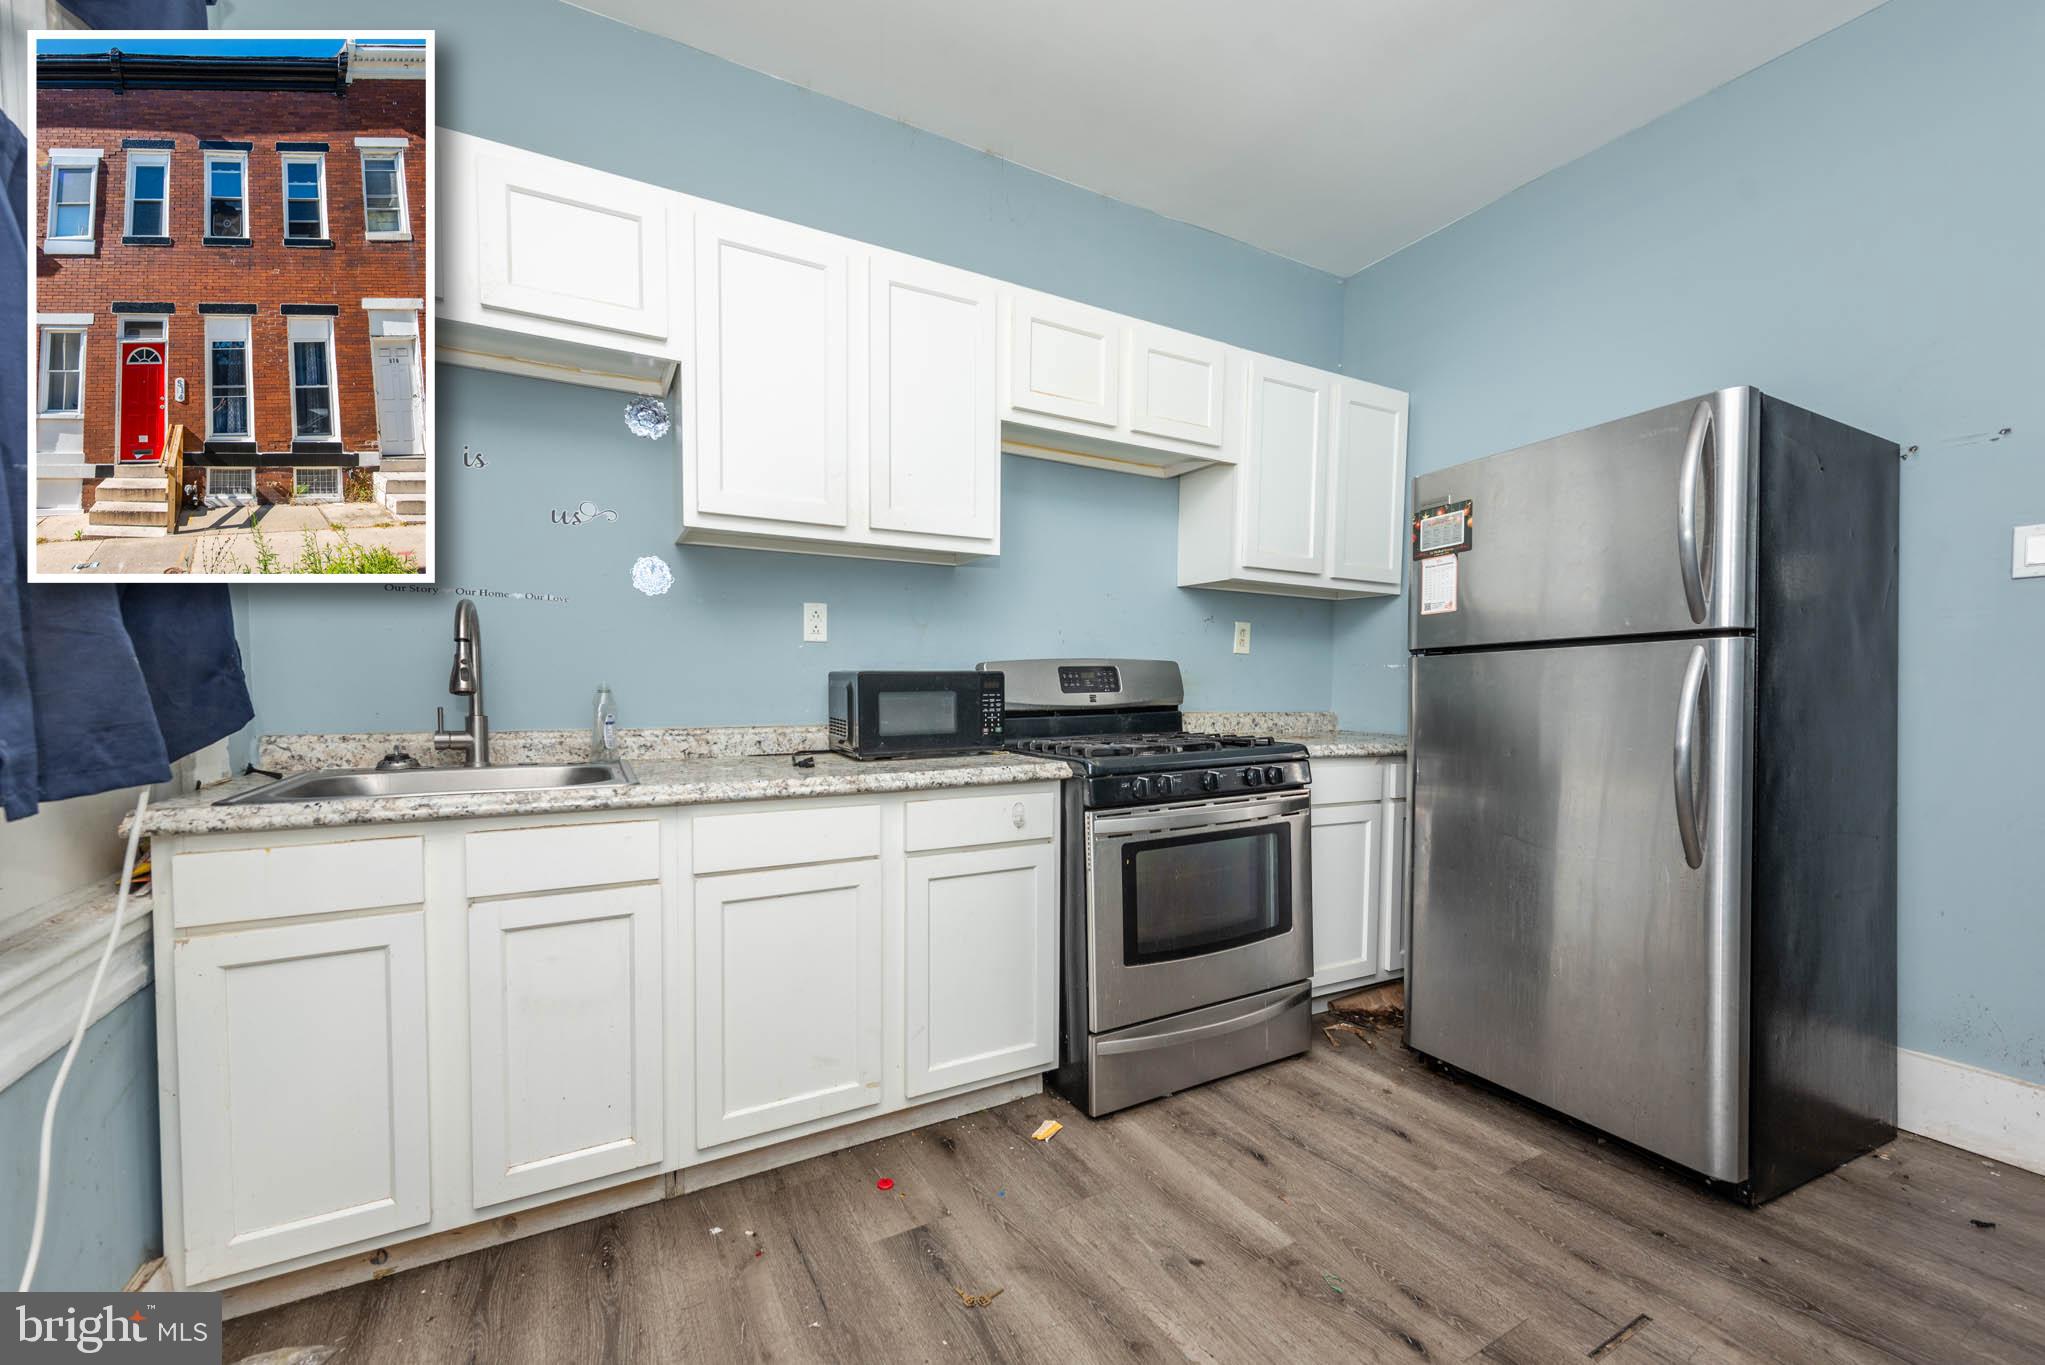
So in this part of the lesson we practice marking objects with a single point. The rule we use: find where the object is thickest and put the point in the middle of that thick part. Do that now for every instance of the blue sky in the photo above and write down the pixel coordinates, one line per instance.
(216, 47)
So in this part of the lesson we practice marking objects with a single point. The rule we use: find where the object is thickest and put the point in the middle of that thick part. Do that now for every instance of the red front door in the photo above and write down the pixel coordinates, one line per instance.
(141, 401)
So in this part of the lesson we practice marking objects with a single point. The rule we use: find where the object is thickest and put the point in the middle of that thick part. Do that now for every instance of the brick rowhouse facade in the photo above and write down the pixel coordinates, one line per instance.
(116, 287)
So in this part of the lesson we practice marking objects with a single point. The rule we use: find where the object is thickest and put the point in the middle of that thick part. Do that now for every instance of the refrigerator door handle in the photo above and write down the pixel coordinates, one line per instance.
(1691, 736)
(1696, 484)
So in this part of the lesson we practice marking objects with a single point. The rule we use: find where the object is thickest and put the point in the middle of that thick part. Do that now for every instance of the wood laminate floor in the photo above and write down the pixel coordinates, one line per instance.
(1349, 1205)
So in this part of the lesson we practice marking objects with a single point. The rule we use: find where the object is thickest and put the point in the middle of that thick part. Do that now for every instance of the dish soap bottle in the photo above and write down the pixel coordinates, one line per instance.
(603, 731)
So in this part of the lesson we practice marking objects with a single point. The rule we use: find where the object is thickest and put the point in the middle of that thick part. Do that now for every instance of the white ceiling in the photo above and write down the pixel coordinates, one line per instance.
(1330, 131)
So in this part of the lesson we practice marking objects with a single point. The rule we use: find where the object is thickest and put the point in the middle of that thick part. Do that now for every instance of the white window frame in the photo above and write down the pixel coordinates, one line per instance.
(232, 327)
(43, 373)
(240, 159)
(314, 329)
(319, 160)
(394, 148)
(137, 158)
(85, 244)
(300, 471)
(216, 496)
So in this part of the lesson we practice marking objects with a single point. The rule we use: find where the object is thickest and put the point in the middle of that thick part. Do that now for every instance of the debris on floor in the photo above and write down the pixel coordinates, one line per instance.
(1619, 1338)
(977, 1300)
(1373, 1007)
(884, 1183)
(1982, 1222)
(1047, 1130)
(717, 1232)
(1344, 1026)
(1334, 1283)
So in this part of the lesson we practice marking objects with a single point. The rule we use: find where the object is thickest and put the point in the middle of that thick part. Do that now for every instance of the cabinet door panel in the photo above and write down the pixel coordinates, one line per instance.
(1065, 361)
(1367, 534)
(788, 987)
(1286, 467)
(1177, 385)
(302, 1088)
(982, 980)
(934, 456)
(1348, 846)
(1394, 899)
(773, 352)
(564, 1039)
(561, 241)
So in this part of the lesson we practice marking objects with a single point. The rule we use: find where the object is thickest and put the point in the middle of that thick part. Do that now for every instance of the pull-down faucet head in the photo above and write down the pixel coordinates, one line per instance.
(466, 678)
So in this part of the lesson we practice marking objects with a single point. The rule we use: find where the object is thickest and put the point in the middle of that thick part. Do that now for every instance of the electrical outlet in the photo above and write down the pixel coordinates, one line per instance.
(2027, 559)
(1242, 637)
(815, 623)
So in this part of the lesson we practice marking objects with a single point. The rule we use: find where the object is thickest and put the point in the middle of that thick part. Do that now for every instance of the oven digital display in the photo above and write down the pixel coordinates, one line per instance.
(1106, 678)
(916, 713)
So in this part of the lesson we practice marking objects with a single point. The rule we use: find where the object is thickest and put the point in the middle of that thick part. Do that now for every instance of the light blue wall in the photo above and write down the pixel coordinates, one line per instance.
(1088, 558)
(105, 1211)
(1860, 228)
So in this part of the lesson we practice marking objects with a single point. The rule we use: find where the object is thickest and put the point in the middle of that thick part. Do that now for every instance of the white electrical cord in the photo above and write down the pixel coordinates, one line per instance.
(35, 1240)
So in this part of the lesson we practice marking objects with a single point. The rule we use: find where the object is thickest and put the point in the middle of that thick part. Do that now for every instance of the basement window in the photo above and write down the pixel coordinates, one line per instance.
(230, 487)
(316, 485)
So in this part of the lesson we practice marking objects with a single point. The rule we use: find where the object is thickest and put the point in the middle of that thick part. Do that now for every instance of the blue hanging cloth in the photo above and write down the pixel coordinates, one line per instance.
(140, 13)
(100, 685)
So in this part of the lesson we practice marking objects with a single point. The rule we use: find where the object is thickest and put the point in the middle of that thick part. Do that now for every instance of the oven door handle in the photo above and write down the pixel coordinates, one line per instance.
(1150, 1042)
(1208, 814)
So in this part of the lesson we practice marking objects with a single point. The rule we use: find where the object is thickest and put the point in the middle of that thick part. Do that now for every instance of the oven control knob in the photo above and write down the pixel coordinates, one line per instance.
(1209, 781)
(1253, 776)
(1165, 785)
(1140, 787)
(1274, 774)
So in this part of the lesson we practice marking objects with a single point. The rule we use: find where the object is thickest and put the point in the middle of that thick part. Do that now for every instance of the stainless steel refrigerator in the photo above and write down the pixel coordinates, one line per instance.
(1654, 783)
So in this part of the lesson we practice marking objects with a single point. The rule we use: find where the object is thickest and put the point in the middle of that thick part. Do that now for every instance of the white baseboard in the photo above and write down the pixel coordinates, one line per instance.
(1995, 1115)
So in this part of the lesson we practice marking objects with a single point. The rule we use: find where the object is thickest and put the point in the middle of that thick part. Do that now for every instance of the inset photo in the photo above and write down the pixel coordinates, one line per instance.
(230, 299)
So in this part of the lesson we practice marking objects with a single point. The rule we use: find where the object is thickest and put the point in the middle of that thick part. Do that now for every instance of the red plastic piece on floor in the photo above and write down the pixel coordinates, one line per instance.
(884, 1184)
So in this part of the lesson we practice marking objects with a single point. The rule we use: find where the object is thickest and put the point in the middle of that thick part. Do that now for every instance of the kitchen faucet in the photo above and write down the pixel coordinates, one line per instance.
(466, 680)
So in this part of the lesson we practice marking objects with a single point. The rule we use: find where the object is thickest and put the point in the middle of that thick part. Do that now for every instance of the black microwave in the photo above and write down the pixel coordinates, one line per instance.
(886, 715)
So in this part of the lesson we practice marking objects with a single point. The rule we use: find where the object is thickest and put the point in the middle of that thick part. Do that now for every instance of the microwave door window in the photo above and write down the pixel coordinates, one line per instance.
(1204, 892)
(916, 713)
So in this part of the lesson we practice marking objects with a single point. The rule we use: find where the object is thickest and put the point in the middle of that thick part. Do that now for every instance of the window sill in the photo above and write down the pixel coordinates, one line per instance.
(326, 243)
(46, 958)
(131, 240)
(59, 416)
(225, 241)
(386, 236)
(69, 246)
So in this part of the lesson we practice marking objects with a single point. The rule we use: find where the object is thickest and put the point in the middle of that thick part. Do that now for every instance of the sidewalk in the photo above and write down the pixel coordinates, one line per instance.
(220, 540)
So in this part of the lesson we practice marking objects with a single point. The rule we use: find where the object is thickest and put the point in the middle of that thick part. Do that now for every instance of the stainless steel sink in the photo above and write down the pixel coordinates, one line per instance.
(344, 784)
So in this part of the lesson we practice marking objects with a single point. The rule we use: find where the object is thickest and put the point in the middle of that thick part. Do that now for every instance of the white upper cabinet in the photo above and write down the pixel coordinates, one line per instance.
(1367, 485)
(1065, 360)
(773, 370)
(1316, 504)
(1287, 467)
(555, 270)
(934, 450)
(1178, 385)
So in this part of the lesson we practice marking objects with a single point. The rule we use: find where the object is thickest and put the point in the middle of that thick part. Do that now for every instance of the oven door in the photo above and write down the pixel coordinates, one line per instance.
(1195, 904)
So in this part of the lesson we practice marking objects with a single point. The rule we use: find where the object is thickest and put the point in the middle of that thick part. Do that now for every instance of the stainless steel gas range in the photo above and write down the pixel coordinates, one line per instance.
(1185, 890)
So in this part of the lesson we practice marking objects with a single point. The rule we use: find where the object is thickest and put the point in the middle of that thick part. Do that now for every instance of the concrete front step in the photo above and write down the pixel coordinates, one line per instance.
(133, 488)
(403, 464)
(126, 514)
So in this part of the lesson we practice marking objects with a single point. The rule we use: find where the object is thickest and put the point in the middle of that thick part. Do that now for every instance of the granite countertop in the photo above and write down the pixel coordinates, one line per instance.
(662, 782)
(1318, 730)
(1352, 744)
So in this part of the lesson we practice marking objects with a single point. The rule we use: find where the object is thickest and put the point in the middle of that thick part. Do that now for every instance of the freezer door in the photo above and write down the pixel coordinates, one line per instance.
(1638, 527)
(1579, 930)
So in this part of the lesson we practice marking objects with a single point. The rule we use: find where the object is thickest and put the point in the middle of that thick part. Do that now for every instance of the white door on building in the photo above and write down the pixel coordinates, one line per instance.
(397, 397)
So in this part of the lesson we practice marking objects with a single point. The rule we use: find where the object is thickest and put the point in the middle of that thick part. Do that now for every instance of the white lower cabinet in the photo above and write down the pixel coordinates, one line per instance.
(373, 1038)
(301, 1094)
(565, 1035)
(1348, 851)
(788, 997)
(981, 990)
(1359, 868)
